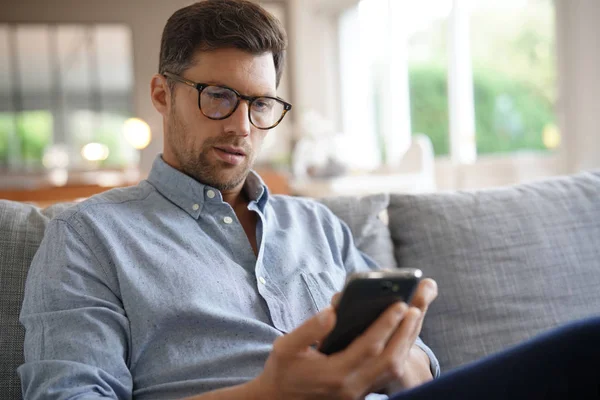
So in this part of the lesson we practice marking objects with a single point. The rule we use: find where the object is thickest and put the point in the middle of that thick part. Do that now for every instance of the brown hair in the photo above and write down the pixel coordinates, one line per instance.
(216, 24)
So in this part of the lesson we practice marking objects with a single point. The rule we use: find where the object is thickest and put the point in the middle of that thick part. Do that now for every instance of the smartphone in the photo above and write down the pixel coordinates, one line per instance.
(365, 296)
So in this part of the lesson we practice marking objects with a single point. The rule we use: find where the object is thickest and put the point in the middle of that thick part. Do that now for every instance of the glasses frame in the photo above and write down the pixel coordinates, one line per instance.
(250, 99)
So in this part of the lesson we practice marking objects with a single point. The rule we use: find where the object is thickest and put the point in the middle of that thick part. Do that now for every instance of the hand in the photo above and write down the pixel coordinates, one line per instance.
(412, 369)
(295, 370)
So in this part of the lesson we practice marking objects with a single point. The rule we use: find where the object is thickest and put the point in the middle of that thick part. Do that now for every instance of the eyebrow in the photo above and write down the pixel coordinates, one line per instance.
(268, 93)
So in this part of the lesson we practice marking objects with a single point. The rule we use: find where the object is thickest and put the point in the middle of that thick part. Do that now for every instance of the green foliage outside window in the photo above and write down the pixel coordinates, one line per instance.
(514, 77)
(24, 136)
(510, 115)
(429, 105)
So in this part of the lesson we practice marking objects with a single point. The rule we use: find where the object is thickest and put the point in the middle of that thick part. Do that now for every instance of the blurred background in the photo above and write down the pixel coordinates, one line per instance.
(389, 95)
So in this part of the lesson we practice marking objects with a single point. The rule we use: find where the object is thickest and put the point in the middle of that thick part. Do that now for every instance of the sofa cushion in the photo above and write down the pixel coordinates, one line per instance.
(509, 262)
(21, 230)
(363, 215)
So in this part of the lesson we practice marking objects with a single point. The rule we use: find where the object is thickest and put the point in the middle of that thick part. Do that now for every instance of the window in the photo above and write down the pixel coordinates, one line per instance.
(62, 88)
(363, 58)
(481, 74)
(514, 75)
(427, 37)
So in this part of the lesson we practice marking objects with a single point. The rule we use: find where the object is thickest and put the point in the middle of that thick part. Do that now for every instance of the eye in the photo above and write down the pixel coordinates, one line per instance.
(263, 104)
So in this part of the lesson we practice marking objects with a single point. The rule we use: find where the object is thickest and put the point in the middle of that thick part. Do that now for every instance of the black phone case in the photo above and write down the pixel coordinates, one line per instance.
(361, 304)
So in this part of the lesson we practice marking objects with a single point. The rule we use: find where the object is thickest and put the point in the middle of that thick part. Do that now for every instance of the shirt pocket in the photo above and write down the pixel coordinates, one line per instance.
(322, 286)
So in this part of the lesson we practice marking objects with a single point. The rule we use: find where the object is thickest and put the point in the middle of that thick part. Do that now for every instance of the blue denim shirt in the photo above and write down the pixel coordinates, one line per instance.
(154, 291)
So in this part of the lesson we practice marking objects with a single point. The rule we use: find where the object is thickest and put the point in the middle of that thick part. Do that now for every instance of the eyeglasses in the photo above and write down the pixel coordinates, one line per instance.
(219, 102)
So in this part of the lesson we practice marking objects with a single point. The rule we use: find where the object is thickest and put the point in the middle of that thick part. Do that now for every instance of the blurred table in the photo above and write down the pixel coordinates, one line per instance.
(44, 196)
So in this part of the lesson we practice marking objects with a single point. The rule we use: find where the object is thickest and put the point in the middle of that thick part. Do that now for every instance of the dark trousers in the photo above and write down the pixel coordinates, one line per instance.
(563, 363)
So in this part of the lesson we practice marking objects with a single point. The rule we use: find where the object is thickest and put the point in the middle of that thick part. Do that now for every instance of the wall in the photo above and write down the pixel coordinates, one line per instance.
(579, 73)
(314, 57)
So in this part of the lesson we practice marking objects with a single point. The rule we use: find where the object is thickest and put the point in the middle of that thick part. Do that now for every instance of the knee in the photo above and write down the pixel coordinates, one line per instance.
(584, 331)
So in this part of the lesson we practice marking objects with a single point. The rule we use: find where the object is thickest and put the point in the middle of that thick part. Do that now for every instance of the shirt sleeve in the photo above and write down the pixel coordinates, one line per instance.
(77, 334)
(357, 261)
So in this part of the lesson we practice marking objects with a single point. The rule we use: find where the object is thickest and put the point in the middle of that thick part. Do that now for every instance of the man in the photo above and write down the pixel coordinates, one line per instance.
(198, 282)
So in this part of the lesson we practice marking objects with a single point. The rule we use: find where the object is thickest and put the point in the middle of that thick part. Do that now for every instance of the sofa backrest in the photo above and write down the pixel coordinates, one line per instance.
(21, 230)
(510, 262)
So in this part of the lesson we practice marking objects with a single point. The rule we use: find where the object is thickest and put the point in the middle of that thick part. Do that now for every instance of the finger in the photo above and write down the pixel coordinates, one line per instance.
(372, 342)
(404, 337)
(425, 294)
(335, 300)
(396, 351)
(417, 330)
(428, 293)
(313, 330)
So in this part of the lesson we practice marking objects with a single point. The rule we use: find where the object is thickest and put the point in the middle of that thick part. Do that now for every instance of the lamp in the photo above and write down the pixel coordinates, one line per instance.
(137, 133)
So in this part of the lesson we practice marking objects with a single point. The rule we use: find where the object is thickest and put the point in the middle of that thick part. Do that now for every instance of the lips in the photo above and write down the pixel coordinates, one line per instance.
(230, 155)
(232, 150)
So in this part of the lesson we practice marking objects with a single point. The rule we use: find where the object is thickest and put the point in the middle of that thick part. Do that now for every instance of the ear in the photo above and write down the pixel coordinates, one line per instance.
(160, 94)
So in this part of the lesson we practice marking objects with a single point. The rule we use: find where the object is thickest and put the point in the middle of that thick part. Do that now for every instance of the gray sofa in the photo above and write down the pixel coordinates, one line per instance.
(510, 263)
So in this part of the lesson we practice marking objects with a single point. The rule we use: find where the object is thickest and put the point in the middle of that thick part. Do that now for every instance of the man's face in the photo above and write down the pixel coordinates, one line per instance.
(209, 150)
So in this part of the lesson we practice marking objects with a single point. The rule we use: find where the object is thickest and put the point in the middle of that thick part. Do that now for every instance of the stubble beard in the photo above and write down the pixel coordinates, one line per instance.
(201, 166)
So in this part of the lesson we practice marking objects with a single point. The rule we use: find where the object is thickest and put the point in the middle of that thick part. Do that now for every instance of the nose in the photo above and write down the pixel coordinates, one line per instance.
(239, 121)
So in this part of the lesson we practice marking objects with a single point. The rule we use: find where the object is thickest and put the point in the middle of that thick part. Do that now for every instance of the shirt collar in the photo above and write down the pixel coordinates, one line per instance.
(256, 189)
(191, 195)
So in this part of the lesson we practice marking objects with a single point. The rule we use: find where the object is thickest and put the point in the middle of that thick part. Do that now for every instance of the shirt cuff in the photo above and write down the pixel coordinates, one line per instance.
(434, 364)
(376, 396)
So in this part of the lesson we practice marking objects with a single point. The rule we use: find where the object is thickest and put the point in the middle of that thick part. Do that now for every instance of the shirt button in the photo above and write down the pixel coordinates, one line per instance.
(228, 220)
(262, 280)
(195, 207)
(210, 194)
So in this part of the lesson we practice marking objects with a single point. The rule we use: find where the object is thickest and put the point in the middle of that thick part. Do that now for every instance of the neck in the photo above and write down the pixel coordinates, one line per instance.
(235, 197)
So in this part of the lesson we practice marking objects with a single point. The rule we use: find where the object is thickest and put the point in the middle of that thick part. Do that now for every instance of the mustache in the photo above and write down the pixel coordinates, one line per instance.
(242, 144)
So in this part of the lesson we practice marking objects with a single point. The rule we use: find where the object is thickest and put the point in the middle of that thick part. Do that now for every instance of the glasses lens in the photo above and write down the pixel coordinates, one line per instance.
(217, 102)
(266, 112)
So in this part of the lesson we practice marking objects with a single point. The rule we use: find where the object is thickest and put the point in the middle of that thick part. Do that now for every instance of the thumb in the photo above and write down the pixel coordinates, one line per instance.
(335, 300)
(313, 330)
